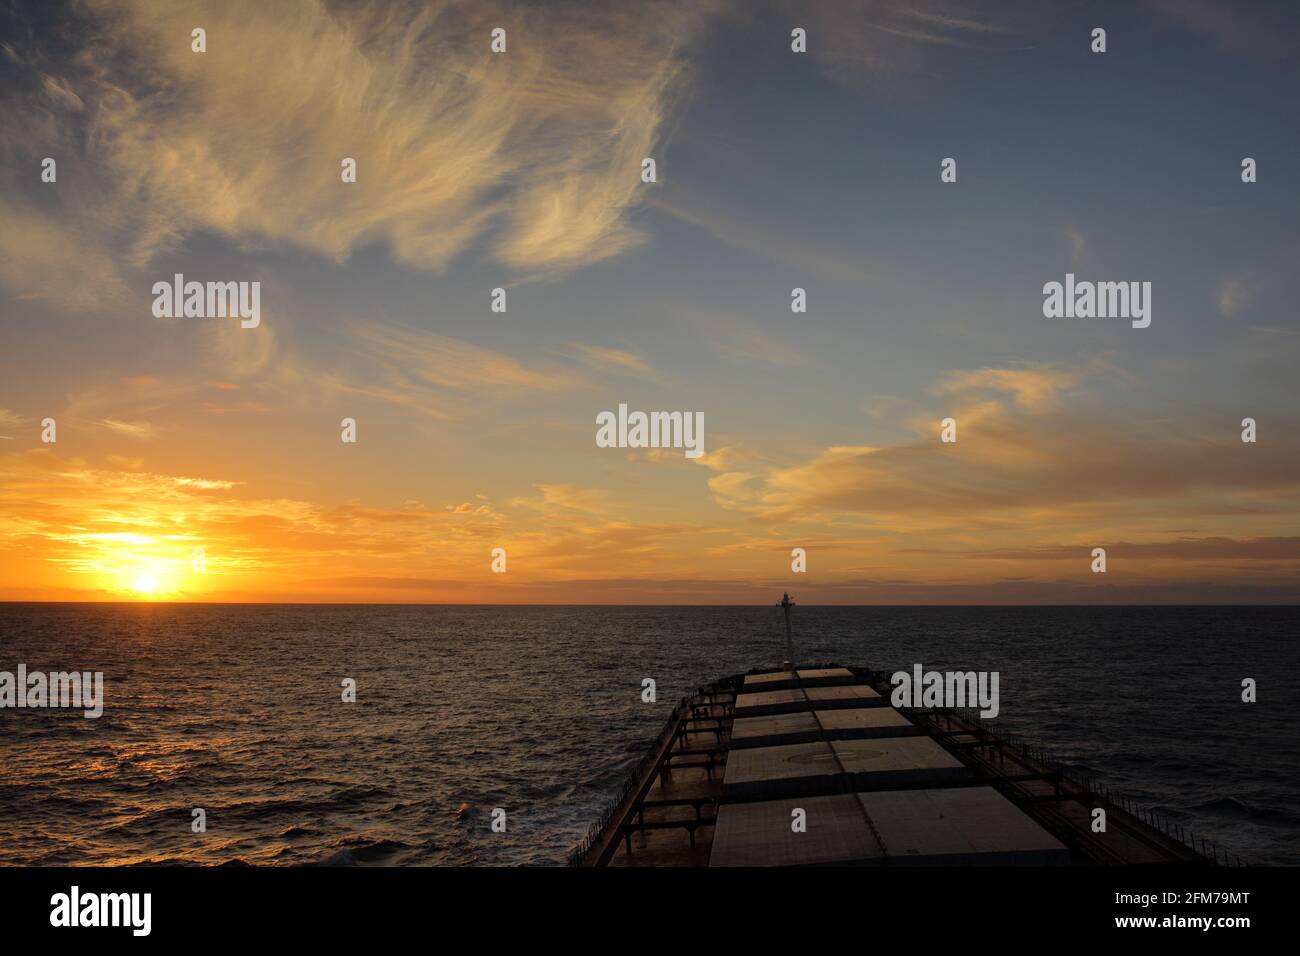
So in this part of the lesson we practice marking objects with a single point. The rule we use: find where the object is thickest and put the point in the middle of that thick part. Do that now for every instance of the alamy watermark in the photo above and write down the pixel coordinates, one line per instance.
(651, 430)
(1098, 300)
(208, 300)
(949, 689)
(65, 689)
(74, 909)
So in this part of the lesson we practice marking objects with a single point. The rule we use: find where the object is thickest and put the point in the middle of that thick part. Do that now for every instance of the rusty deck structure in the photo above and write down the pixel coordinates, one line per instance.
(815, 767)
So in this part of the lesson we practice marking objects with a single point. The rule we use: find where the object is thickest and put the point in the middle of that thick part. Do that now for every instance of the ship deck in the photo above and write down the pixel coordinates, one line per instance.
(815, 767)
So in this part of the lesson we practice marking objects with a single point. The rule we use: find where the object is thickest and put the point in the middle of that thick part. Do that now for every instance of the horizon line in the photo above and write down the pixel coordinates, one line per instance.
(630, 605)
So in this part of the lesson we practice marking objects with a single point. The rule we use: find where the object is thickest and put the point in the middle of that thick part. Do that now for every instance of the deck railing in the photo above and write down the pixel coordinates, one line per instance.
(580, 851)
(1037, 752)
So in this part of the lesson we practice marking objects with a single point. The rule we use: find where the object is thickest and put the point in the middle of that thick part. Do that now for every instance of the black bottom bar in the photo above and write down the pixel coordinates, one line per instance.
(920, 905)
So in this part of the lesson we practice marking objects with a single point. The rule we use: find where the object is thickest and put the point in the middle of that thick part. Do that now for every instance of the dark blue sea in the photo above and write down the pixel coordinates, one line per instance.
(237, 710)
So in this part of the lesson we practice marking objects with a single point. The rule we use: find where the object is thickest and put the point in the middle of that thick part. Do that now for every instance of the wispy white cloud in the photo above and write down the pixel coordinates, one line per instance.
(1235, 295)
(612, 359)
(1242, 27)
(739, 338)
(141, 431)
(1035, 386)
(537, 151)
(421, 356)
(825, 263)
(1078, 244)
(855, 39)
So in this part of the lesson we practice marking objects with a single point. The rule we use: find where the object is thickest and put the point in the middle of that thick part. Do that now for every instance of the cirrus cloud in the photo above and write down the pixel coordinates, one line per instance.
(535, 152)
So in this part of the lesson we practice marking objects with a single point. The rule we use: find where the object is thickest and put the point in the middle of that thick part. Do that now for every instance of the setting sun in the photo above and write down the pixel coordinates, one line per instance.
(145, 584)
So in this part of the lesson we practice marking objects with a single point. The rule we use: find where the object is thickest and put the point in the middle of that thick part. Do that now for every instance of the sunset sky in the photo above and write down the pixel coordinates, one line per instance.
(775, 170)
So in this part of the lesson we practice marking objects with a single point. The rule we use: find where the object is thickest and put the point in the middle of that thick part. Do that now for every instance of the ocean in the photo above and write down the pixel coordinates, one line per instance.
(238, 711)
